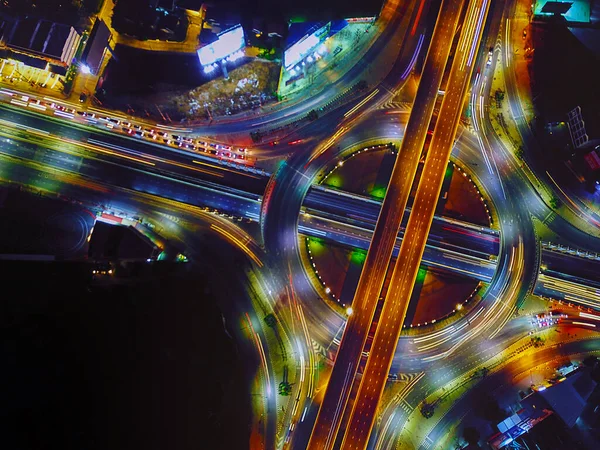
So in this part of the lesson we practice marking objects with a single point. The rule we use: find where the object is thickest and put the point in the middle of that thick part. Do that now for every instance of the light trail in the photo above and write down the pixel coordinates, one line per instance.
(507, 43)
(584, 324)
(413, 60)
(243, 246)
(261, 352)
(589, 316)
(323, 148)
(365, 100)
(397, 400)
(576, 206)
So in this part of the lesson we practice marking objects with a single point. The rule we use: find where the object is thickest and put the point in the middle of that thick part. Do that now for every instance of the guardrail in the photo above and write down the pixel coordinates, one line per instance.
(570, 251)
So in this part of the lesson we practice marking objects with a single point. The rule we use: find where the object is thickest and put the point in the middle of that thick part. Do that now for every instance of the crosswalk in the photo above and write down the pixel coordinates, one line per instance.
(402, 377)
(396, 105)
(427, 443)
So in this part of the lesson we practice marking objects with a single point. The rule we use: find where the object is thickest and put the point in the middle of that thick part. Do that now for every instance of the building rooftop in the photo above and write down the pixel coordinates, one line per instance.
(39, 36)
(567, 398)
(96, 44)
(112, 242)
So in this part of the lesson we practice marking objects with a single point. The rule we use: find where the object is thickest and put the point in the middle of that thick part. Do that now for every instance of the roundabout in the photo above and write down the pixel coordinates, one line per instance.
(439, 293)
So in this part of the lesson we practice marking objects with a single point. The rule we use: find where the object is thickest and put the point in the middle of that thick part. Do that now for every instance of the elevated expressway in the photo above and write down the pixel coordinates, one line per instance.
(334, 215)
(507, 214)
(396, 302)
(371, 281)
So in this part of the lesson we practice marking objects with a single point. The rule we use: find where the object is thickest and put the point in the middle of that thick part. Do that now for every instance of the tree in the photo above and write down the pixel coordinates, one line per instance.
(499, 95)
(271, 320)
(362, 85)
(481, 373)
(312, 115)
(471, 435)
(519, 152)
(554, 202)
(256, 136)
(285, 388)
(427, 410)
(537, 341)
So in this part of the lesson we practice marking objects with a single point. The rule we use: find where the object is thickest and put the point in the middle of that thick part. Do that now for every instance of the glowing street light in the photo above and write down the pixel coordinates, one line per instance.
(349, 310)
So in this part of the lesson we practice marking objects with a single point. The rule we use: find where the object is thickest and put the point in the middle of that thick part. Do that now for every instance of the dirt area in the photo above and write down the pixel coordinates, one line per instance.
(358, 174)
(463, 201)
(440, 293)
(363, 174)
(170, 87)
(248, 87)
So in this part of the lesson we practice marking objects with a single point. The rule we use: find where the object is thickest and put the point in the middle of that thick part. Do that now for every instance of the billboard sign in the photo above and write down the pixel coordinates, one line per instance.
(228, 42)
(304, 46)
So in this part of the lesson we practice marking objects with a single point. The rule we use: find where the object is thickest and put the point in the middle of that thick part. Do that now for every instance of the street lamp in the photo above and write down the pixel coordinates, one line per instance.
(85, 69)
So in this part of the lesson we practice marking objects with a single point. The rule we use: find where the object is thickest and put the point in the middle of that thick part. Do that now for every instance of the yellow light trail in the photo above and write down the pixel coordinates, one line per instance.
(365, 100)
(243, 246)
(323, 148)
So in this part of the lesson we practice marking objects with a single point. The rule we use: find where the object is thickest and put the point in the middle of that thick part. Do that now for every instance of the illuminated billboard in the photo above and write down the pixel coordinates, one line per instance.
(572, 10)
(304, 46)
(228, 42)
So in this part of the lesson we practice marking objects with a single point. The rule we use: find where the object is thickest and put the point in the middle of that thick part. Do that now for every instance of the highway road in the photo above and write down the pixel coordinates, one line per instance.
(176, 183)
(515, 200)
(220, 186)
(380, 251)
(530, 359)
(411, 251)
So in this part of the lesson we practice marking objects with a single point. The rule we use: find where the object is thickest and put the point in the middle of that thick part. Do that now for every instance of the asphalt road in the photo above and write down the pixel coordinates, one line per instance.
(407, 265)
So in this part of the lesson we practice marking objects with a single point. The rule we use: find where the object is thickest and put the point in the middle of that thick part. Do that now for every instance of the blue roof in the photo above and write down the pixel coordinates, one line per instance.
(337, 26)
(298, 30)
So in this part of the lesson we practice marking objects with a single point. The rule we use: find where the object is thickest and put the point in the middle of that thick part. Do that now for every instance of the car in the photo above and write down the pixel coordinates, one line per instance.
(82, 98)
(149, 130)
(137, 127)
(115, 121)
(490, 56)
(177, 138)
(139, 133)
